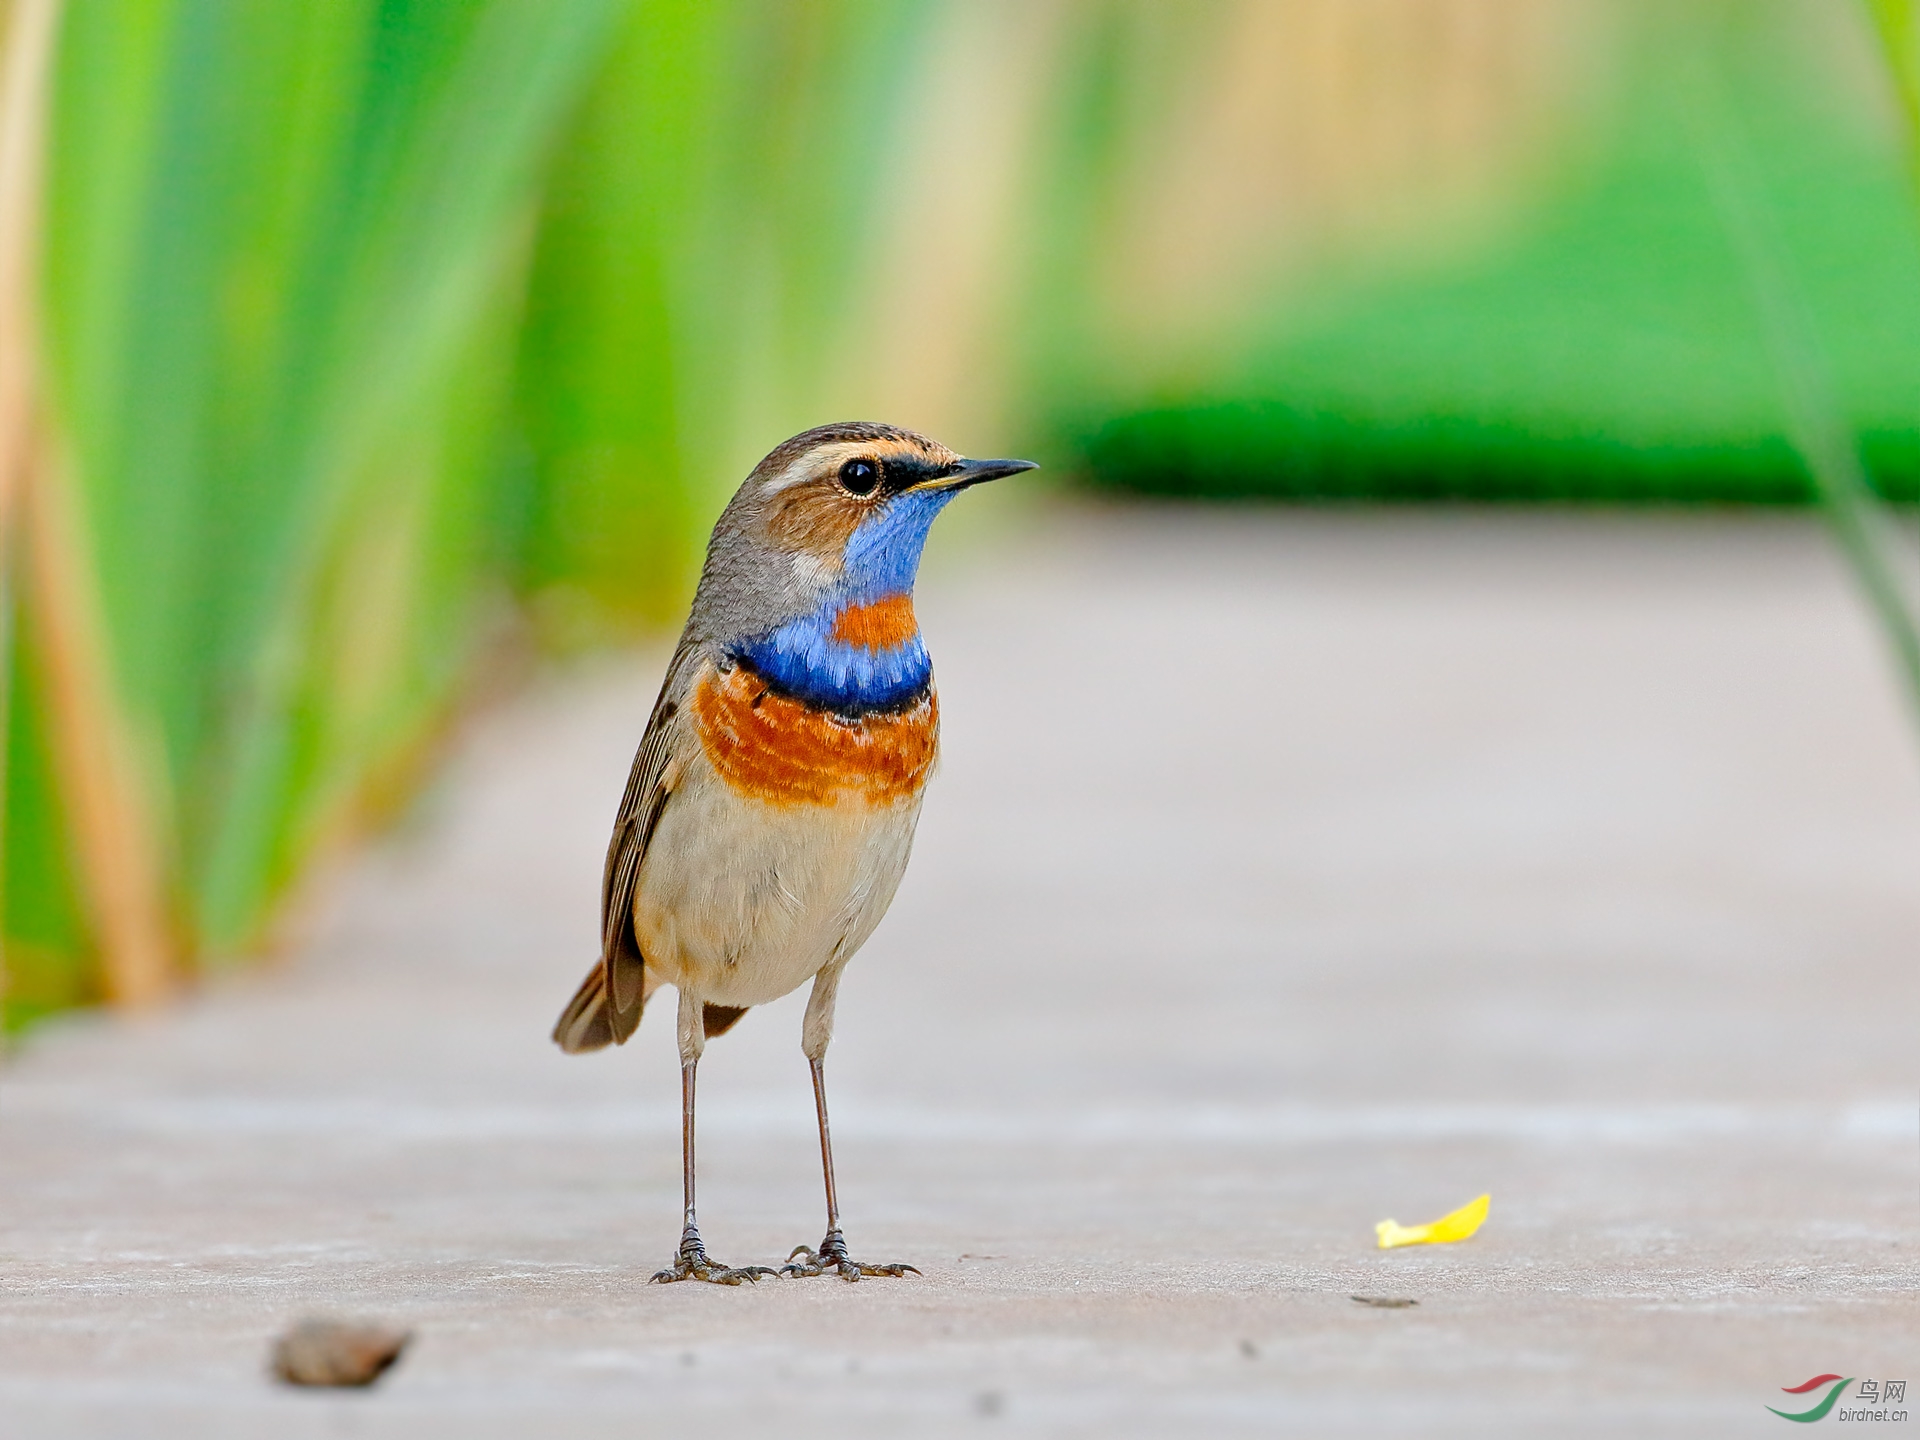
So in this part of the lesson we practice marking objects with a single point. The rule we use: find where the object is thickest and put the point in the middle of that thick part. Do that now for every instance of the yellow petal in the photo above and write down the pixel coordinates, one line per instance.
(1456, 1226)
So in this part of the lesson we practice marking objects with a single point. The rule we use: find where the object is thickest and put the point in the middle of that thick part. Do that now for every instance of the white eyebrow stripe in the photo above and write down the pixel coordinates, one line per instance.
(821, 457)
(828, 456)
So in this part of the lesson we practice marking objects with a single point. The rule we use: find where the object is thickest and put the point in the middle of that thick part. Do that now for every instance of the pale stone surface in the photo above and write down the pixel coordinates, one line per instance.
(1285, 872)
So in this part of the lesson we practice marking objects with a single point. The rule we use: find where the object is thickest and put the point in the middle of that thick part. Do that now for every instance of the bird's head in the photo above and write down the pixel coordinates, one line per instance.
(835, 517)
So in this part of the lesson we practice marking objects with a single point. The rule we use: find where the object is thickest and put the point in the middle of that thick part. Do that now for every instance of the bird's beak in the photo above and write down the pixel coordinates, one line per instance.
(974, 472)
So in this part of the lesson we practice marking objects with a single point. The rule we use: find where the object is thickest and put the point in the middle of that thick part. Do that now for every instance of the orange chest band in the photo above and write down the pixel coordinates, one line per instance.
(778, 751)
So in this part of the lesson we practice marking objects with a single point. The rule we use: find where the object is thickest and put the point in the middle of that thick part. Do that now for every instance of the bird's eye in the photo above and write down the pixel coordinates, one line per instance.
(859, 477)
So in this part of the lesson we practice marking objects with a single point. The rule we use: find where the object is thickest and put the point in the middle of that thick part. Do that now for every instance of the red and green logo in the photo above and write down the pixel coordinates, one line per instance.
(1807, 1387)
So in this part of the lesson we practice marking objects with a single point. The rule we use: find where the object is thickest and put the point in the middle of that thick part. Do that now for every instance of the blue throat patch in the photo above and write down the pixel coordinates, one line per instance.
(802, 659)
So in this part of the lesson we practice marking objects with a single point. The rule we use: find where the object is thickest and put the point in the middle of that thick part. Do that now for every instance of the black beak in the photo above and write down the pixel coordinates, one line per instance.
(975, 472)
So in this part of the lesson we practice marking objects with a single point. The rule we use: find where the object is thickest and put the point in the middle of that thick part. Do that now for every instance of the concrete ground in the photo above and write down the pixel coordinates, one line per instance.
(1285, 872)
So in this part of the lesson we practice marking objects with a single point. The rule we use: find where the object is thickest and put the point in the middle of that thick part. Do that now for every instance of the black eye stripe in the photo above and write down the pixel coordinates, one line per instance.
(867, 475)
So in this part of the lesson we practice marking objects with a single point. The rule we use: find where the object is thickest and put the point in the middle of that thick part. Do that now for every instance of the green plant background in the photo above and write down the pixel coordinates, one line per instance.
(389, 336)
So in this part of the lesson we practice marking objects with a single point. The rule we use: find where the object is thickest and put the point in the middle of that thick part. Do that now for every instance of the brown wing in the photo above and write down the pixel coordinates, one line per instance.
(606, 1009)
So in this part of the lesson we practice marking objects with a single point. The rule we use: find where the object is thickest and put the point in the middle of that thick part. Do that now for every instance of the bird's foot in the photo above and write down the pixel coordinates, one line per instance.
(832, 1259)
(693, 1263)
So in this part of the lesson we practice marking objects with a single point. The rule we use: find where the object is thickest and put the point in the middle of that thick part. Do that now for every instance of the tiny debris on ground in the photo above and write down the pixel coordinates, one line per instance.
(337, 1352)
(1384, 1302)
(1461, 1224)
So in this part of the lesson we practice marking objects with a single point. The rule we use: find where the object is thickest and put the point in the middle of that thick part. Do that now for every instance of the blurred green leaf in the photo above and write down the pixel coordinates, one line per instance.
(697, 268)
(282, 312)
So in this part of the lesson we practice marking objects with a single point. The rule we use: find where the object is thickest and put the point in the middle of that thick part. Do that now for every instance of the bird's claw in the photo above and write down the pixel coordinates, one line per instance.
(711, 1273)
(832, 1258)
(693, 1263)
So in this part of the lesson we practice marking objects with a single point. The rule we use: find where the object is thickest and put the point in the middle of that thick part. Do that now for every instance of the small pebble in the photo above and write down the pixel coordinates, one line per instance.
(337, 1352)
(1383, 1302)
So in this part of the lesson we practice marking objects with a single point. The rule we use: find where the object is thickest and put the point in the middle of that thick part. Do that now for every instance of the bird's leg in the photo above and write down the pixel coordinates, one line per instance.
(832, 1254)
(691, 1261)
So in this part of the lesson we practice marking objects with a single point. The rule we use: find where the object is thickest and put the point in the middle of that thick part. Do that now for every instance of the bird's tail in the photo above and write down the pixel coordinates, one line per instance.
(590, 1023)
(586, 1024)
(593, 1020)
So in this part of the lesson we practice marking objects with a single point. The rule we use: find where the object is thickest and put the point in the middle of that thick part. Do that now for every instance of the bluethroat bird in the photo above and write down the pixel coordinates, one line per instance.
(767, 820)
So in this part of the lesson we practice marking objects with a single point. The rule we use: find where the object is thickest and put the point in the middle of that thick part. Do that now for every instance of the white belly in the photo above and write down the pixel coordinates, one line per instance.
(745, 901)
